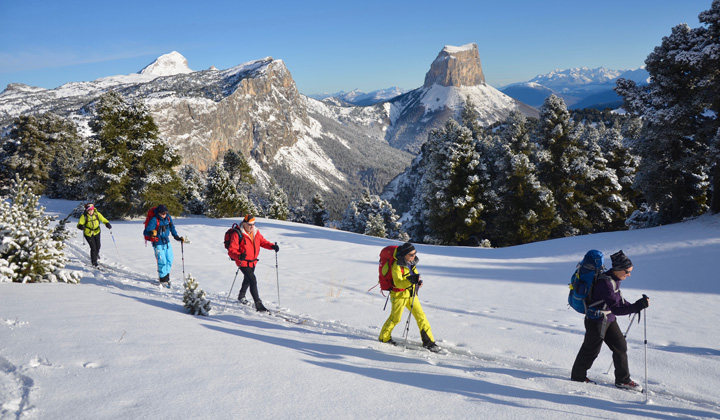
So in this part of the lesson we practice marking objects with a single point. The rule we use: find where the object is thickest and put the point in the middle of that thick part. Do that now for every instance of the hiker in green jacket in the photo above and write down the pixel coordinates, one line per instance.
(89, 223)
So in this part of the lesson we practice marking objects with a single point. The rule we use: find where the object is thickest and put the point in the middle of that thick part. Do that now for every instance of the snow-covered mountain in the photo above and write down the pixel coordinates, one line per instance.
(255, 108)
(455, 76)
(167, 65)
(580, 87)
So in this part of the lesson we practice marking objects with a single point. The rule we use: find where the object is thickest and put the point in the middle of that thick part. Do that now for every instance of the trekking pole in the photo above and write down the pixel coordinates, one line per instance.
(624, 336)
(182, 254)
(231, 287)
(277, 275)
(407, 324)
(116, 248)
(647, 391)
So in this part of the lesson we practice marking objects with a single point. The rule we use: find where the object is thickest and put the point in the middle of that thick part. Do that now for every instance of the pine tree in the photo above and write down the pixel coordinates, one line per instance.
(45, 150)
(192, 191)
(28, 252)
(679, 146)
(356, 216)
(525, 210)
(194, 297)
(222, 197)
(278, 203)
(239, 170)
(559, 159)
(451, 186)
(375, 226)
(132, 166)
(606, 207)
(320, 215)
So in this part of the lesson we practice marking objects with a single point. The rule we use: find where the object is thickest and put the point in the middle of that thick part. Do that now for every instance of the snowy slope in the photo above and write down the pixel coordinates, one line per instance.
(115, 346)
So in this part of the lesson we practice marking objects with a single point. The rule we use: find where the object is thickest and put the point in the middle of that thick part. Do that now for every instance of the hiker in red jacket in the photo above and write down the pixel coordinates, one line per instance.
(244, 250)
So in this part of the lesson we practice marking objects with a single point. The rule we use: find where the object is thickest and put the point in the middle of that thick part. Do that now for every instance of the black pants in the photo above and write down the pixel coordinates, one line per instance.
(94, 242)
(250, 281)
(591, 348)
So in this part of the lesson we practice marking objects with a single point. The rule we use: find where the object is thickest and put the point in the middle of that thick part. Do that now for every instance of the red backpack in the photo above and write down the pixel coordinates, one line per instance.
(150, 215)
(387, 258)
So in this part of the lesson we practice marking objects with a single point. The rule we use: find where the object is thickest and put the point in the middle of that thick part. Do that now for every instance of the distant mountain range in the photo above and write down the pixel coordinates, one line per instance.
(359, 98)
(580, 87)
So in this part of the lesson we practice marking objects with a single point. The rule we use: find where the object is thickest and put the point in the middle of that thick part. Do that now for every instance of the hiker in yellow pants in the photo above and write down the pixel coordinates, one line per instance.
(406, 280)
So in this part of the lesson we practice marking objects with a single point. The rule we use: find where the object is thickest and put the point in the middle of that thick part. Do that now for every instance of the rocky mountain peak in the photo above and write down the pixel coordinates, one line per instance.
(167, 65)
(456, 66)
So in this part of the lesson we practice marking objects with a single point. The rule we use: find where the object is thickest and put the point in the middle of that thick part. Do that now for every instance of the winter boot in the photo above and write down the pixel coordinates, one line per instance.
(243, 300)
(631, 385)
(390, 341)
(259, 306)
(428, 343)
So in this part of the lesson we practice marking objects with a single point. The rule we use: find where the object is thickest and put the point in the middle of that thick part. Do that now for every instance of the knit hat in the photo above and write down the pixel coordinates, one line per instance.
(620, 261)
(161, 209)
(89, 206)
(248, 219)
(405, 249)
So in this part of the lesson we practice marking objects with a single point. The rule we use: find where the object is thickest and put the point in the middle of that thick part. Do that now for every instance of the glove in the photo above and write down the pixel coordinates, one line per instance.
(107, 225)
(81, 227)
(153, 233)
(179, 238)
(642, 303)
(242, 256)
(276, 247)
(414, 278)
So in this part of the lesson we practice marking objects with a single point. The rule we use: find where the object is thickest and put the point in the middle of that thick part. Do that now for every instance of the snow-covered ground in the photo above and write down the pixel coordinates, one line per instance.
(116, 346)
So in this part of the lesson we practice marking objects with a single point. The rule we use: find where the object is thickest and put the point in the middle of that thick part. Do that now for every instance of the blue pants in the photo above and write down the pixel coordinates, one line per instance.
(164, 257)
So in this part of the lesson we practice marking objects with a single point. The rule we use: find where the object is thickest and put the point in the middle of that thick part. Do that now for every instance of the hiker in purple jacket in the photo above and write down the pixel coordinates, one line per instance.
(605, 303)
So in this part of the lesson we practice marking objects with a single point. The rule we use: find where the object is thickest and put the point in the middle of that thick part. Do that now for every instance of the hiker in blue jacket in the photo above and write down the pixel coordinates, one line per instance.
(159, 228)
(610, 302)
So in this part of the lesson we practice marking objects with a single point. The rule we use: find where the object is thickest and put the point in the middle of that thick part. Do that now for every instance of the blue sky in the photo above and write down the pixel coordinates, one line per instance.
(330, 45)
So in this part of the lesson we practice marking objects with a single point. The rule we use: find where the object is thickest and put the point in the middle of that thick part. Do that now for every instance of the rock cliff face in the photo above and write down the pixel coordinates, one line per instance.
(456, 66)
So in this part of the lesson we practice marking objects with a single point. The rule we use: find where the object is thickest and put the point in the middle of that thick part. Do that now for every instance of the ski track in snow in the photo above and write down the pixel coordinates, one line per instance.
(532, 375)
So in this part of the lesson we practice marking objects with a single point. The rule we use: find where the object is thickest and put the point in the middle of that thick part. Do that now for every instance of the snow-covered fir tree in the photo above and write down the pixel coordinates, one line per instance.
(355, 218)
(131, 167)
(606, 207)
(525, 209)
(28, 252)
(452, 186)
(560, 156)
(277, 207)
(375, 226)
(621, 158)
(192, 195)
(46, 151)
(679, 145)
(319, 214)
(194, 298)
(222, 199)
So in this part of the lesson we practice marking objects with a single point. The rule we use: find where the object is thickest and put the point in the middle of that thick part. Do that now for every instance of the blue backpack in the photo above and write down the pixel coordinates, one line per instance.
(582, 281)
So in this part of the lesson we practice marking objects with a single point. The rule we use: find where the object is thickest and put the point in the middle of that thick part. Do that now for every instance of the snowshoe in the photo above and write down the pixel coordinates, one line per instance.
(390, 341)
(260, 307)
(630, 385)
(433, 347)
(243, 300)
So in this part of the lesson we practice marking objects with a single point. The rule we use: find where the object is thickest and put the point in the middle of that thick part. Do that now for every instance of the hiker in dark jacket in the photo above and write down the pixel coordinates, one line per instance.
(601, 325)
(159, 228)
(89, 223)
